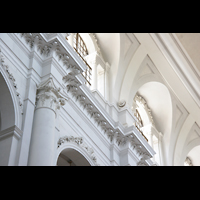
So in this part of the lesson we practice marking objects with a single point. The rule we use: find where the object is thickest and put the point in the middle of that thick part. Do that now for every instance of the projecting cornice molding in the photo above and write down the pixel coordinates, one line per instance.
(83, 97)
(47, 44)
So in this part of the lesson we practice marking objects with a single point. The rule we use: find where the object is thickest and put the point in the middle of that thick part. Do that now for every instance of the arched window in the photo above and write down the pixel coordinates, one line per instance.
(79, 45)
(96, 74)
(139, 123)
(81, 49)
(145, 124)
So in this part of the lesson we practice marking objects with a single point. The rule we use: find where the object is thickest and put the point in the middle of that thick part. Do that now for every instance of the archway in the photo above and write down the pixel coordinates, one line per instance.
(194, 156)
(159, 101)
(7, 113)
(192, 151)
(71, 157)
(156, 113)
(75, 149)
(9, 118)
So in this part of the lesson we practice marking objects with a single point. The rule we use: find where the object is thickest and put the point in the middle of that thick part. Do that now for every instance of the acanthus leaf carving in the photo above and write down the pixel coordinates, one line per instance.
(48, 95)
(73, 87)
(47, 49)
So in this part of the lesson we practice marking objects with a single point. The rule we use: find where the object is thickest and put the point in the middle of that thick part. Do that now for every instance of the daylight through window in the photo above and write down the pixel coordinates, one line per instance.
(81, 49)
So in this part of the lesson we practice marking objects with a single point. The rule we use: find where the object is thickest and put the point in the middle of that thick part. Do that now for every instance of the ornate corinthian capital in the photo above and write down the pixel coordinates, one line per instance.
(49, 96)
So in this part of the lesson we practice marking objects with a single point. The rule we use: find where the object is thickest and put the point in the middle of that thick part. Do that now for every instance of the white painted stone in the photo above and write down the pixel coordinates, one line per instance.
(48, 116)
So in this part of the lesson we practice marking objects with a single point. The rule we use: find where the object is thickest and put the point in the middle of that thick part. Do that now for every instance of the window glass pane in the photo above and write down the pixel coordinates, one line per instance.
(81, 49)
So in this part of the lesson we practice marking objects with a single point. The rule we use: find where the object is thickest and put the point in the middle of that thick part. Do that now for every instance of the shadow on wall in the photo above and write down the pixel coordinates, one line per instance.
(7, 113)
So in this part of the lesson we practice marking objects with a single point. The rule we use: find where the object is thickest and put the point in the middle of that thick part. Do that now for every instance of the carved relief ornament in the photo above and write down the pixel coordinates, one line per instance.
(143, 102)
(12, 79)
(78, 141)
(47, 48)
(49, 96)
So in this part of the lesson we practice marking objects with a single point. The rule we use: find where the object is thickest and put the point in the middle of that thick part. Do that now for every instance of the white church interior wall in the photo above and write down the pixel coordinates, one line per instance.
(134, 63)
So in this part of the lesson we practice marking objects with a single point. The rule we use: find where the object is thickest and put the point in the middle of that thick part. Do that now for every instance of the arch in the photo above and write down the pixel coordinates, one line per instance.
(11, 97)
(70, 149)
(194, 143)
(7, 108)
(147, 81)
(181, 140)
(9, 122)
(89, 42)
(159, 100)
(131, 73)
(110, 48)
(72, 157)
(138, 84)
(141, 106)
(178, 134)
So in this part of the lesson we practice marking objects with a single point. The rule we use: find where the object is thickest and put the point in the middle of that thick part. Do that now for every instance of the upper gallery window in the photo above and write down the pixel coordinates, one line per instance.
(81, 49)
(139, 123)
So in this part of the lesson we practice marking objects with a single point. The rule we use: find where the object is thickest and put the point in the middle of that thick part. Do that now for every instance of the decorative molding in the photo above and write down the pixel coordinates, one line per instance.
(10, 132)
(94, 38)
(82, 96)
(137, 148)
(12, 79)
(121, 103)
(188, 162)
(85, 101)
(143, 102)
(78, 141)
(49, 96)
(48, 48)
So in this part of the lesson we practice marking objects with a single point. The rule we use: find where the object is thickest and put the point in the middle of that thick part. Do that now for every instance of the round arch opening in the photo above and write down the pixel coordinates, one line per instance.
(7, 112)
(158, 99)
(193, 156)
(71, 157)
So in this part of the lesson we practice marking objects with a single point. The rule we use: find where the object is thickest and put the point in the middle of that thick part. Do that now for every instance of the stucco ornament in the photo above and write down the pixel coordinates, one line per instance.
(78, 141)
(121, 103)
(12, 79)
(50, 96)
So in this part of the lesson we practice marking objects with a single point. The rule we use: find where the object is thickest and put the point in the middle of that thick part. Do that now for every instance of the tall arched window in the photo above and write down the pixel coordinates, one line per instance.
(81, 49)
(96, 74)
(145, 124)
(139, 123)
(79, 45)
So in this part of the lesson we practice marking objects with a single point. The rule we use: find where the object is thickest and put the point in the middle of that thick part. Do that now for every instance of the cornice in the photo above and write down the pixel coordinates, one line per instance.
(56, 43)
(11, 131)
(93, 109)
